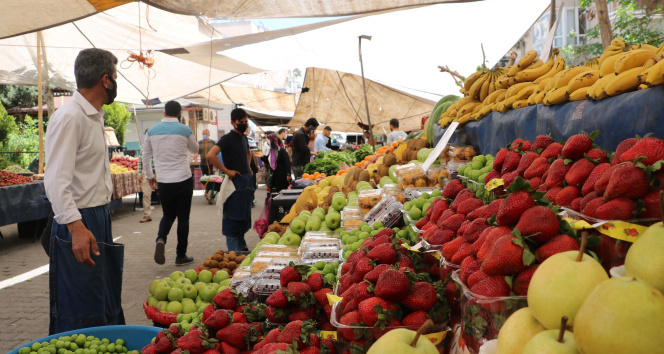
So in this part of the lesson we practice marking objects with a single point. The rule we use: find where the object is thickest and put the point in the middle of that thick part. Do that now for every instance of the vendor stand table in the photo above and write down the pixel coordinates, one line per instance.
(24, 205)
(125, 184)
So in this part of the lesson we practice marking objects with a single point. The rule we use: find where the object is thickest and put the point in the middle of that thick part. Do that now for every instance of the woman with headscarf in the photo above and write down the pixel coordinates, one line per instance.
(278, 164)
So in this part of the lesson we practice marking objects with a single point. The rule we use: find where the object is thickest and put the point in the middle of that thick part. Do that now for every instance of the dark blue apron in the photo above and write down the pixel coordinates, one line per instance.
(82, 296)
(237, 208)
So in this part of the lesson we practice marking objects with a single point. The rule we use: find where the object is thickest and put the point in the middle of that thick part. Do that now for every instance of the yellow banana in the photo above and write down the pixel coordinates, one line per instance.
(525, 92)
(536, 64)
(655, 76)
(484, 90)
(632, 59)
(501, 96)
(643, 87)
(585, 79)
(534, 73)
(579, 94)
(509, 101)
(598, 91)
(652, 61)
(462, 102)
(468, 108)
(556, 96)
(501, 107)
(453, 113)
(532, 98)
(464, 119)
(520, 104)
(623, 82)
(475, 89)
(608, 65)
(539, 99)
(542, 85)
(567, 75)
(649, 47)
(516, 88)
(592, 63)
(471, 79)
(661, 48)
(557, 67)
(491, 98)
(550, 85)
(527, 59)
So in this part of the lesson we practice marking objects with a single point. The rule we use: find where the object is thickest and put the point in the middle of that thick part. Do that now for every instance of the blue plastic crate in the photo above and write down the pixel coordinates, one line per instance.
(135, 337)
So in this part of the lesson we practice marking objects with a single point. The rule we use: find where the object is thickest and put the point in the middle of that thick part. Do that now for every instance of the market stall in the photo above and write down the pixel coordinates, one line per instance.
(25, 205)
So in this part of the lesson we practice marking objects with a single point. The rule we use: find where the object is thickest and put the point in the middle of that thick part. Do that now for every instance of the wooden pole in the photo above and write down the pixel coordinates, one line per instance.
(604, 22)
(40, 109)
(366, 101)
(50, 101)
(552, 17)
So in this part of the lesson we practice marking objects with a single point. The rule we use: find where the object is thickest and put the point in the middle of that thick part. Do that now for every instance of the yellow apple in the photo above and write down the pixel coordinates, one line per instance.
(547, 343)
(517, 331)
(397, 341)
(644, 259)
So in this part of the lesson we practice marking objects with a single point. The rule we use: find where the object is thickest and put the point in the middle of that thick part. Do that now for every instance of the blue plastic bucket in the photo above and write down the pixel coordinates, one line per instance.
(135, 337)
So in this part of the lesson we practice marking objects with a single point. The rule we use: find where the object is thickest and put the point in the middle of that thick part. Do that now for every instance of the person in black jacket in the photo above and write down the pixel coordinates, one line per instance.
(278, 164)
(301, 152)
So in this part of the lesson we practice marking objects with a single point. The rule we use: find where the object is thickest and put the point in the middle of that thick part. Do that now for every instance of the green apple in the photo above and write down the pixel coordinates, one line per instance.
(174, 307)
(153, 285)
(176, 275)
(221, 288)
(378, 225)
(519, 328)
(214, 285)
(306, 213)
(175, 294)
(333, 220)
(548, 342)
(205, 276)
(339, 203)
(272, 234)
(191, 275)
(189, 291)
(220, 276)
(560, 285)
(297, 227)
(186, 300)
(622, 315)
(324, 228)
(398, 341)
(152, 301)
(198, 285)
(161, 291)
(407, 206)
(182, 282)
(415, 213)
(161, 306)
(189, 308)
(207, 293)
(269, 240)
(313, 224)
(436, 193)
(225, 282)
(644, 259)
(292, 240)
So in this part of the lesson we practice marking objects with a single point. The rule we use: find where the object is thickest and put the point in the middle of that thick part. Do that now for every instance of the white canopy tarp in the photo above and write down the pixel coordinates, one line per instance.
(24, 16)
(251, 98)
(406, 48)
(337, 99)
(117, 31)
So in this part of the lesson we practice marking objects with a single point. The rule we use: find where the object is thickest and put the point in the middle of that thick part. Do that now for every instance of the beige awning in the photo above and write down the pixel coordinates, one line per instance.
(336, 99)
(254, 99)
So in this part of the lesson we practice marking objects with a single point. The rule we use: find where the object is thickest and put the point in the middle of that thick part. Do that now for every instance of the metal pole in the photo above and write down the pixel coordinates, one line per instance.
(40, 109)
(366, 102)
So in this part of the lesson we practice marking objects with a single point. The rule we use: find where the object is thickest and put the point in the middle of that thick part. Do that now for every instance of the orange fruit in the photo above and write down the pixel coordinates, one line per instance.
(305, 175)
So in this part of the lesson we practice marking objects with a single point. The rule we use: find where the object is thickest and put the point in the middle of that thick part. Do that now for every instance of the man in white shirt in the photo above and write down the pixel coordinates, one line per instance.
(323, 139)
(85, 290)
(170, 143)
(395, 134)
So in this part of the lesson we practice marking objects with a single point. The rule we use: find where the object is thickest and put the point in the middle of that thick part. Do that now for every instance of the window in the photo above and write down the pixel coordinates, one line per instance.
(572, 28)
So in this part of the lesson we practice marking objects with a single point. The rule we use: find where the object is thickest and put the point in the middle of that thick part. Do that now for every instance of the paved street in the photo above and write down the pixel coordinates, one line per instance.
(24, 305)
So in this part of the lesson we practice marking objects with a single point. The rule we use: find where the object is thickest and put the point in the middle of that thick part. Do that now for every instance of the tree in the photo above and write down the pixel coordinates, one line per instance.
(18, 96)
(7, 125)
(117, 116)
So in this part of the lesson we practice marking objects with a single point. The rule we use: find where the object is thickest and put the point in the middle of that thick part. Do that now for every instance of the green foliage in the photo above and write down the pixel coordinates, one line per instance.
(7, 125)
(24, 139)
(18, 96)
(363, 152)
(117, 116)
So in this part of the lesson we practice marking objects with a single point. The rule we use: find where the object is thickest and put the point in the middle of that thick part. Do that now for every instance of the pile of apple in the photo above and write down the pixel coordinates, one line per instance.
(187, 292)
(130, 163)
(570, 291)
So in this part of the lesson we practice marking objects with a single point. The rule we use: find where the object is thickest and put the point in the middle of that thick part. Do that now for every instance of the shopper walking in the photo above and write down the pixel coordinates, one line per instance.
(145, 186)
(278, 164)
(85, 277)
(171, 143)
(234, 148)
(323, 140)
(204, 147)
(303, 139)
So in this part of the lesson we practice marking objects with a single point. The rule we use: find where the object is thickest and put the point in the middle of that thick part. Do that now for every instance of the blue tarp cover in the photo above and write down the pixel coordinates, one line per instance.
(22, 203)
(617, 118)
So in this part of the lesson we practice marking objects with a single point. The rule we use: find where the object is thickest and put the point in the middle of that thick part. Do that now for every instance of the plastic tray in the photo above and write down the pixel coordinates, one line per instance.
(135, 337)
(395, 191)
(388, 211)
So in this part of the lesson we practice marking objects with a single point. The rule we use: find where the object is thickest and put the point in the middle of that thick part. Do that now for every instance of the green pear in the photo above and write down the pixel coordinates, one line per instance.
(403, 341)
(561, 284)
(622, 315)
(644, 259)
(519, 328)
(547, 343)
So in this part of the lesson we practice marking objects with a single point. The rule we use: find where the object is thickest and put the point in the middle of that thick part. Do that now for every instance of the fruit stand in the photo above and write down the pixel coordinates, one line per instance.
(24, 204)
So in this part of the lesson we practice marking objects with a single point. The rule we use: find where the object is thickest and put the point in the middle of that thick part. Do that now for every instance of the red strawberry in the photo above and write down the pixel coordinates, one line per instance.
(469, 266)
(541, 142)
(509, 177)
(349, 306)
(537, 168)
(415, 320)
(476, 278)
(511, 162)
(349, 320)
(622, 148)
(651, 205)
(272, 348)
(579, 172)
(499, 160)
(309, 350)
(278, 298)
(372, 315)
(505, 257)
(373, 275)
(590, 196)
(195, 342)
(598, 155)
(469, 205)
(345, 282)
(363, 267)
(477, 245)
(649, 147)
(379, 240)
(552, 151)
(450, 248)
(452, 292)
(446, 215)
(218, 319)
(150, 349)
(526, 161)
(591, 207)
(226, 299)
(453, 223)
(438, 209)
(616, 209)
(463, 252)
(452, 189)
(314, 340)
(535, 182)
(595, 175)
(209, 310)
(392, 285)
(567, 195)
(425, 220)
(422, 297)
(463, 227)
(276, 314)
(539, 221)
(346, 267)
(603, 181)
(315, 281)
(576, 204)
(491, 238)
(552, 193)
(558, 244)
(627, 181)
(321, 296)
(492, 287)
(329, 345)
(461, 197)
(270, 337)
(491, 209)
(363, 291)
(164, 345)
(514, 205)
(239, 317)
(384, 232)
(296, 330)
(522, 281)
(290, 273)
(491, 175)
(576, 146)
(383, 254)
(441, 237)
(302, 315)
(515, 144)
(228, 349)
(474, 230)
(557, 172)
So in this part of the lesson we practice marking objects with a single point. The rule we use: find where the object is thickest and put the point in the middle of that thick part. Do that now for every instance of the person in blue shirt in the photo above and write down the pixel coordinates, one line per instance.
(322, 140)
